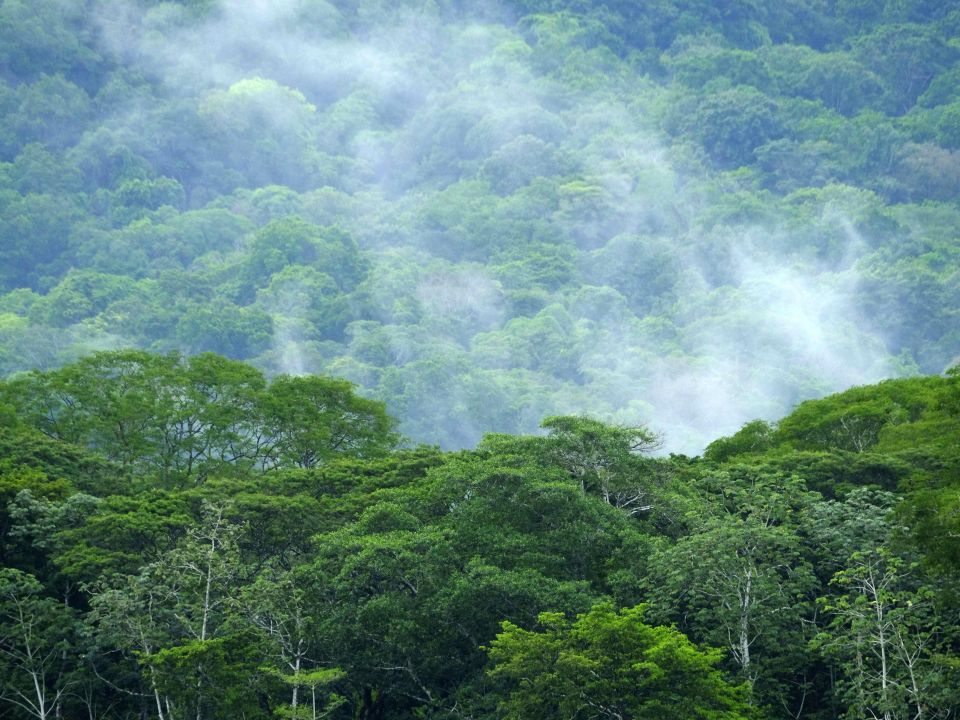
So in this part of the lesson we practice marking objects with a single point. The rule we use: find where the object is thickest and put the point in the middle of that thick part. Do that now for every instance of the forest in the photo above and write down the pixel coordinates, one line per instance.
(682, 213)
(514, 359)
(181, 537)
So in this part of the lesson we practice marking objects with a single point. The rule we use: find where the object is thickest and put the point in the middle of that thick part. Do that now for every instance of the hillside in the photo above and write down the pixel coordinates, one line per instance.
(678, 213)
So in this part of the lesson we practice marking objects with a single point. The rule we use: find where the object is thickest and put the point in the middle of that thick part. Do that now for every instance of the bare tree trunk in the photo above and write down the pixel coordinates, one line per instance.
(882, 641)
(296, 672)
(745, 601)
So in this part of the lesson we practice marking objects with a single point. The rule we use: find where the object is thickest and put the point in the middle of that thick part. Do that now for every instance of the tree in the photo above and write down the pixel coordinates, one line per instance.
(261, 129)
(39, 533)
(294, 241)
(131, 619)
(404, 595)
(172, 619)
(732, 123)
(934, 527)
(884, 637)
(608, 664)
(225, 328)
(848, 423)
(33, 234)
(275, 604)
(123, 535)
(906, 57)
(741, 581)
(44, 37)
(147, 411)
(312, 420)
(308, 301)
(753, 437)
(106, 402)
(39, 646)
(189, 418)
(542, 343)
(374, 596)
(603, 460)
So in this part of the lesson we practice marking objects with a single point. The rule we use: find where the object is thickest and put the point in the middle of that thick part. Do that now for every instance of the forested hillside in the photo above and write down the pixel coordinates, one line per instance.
(510, 359)
(684, 213)
(170, 551)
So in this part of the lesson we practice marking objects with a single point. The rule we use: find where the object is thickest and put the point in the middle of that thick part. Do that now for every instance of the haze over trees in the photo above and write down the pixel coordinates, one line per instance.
(435, 359)
(487, 213)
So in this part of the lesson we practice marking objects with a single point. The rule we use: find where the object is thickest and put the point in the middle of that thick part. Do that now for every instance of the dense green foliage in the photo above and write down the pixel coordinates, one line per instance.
(238, 238)
(188, 418)
(609, 664)
(803, 569)
(681, 213)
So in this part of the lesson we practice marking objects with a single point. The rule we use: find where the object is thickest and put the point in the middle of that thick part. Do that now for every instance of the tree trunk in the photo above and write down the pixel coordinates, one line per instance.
(296, 673)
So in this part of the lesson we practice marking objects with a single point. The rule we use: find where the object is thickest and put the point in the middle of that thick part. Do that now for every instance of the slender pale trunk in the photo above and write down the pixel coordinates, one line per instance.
(296, 674)
(882, 641)
(883, 668)
(41, 695)
(156, 696)
(745, 624)
(148, 650)
(910, 661)
(916, 694)
(156, 693)
(207, 591)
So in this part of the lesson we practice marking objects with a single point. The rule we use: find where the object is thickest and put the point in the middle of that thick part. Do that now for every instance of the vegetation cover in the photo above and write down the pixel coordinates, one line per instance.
(567, 246)
(174, 564)
(678, 213)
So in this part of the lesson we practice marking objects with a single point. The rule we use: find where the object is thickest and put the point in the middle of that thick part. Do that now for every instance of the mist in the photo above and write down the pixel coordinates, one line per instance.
(532, 241)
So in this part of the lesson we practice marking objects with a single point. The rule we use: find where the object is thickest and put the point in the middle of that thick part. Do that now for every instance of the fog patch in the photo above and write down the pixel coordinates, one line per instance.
(777, 334)
(691, 329)
(464, 299)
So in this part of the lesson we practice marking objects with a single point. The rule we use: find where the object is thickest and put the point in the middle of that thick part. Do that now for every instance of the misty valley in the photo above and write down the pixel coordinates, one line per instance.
(514, 359)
